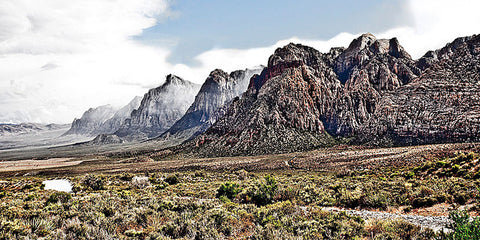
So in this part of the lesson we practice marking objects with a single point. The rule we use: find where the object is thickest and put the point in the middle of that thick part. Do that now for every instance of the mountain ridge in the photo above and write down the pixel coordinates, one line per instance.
(304, 98)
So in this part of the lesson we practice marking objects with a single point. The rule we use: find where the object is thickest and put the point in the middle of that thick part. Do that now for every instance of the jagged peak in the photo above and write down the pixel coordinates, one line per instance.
(294, 52)
(361, 42)
(174, 79)
(217, 76)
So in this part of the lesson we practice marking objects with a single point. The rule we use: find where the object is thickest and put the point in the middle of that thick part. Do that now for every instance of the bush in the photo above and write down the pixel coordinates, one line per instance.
(463, 228)
(61, 197)
(94, 182)
(265, 192)
(228, 189)
(172, 180)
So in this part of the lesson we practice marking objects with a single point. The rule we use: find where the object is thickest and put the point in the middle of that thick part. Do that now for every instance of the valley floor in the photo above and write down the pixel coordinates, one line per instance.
(343, 192)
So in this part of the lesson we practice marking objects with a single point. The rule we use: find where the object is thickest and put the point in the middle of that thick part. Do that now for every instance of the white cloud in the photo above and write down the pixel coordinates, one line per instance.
(58, 58)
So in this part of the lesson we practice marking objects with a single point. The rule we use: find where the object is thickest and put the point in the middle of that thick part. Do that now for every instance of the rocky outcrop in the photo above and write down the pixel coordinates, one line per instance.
(102, 120)
(281, 110)
(159, 109)
(214, 96)
(368, 68)
(372, 91)
(442, 105)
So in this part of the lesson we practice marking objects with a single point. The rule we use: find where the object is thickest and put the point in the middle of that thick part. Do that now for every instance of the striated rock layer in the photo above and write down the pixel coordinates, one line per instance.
(372, 91)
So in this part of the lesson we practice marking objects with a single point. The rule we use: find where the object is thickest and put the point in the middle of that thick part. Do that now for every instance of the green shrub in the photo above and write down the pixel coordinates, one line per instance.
(94, 182)
(228, 189)
(409, 175)
(61, 197)
(463, 227)
(265, 192)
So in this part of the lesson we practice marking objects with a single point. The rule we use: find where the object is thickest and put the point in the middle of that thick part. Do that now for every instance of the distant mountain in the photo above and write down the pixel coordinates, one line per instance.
(372, 92)
(215, 95)
(118, 119)
(102, 120)
(7, 129)
(159, 109)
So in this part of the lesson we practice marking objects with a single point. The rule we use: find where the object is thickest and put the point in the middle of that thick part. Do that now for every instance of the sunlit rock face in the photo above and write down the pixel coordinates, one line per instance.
(159, 109)
(215, 95)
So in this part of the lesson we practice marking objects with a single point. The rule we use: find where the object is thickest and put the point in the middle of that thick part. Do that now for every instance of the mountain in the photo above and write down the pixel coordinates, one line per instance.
(102, 120)
(91, 122)
(159, 109)
(122, 114)
(372, 92)
(7, 129)
(367, 69)
(216, 93)
(441, 105)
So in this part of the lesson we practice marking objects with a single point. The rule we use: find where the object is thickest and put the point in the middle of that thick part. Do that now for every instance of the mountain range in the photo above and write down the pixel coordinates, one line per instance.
(371, 93)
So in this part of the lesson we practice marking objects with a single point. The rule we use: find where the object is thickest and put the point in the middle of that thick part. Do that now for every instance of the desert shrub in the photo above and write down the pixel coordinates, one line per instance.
(61, 197)
(423, 202)
(140, 182)
(463, 227)
(396, 229)
(41, 227)
(409, 175)
(242, 174)
(126, 177)
(134, 233)
(172, 179)
(228, 189)
(15, 227)
(265, 192)
(94, 182)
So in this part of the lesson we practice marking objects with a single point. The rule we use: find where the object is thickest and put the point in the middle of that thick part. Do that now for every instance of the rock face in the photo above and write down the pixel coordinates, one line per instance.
(159, 109)
(367, 69)
(281, 110)
(92, 121)
(441, 105)
(102, 120)
(214, 96)
(372, 91)
(116, 122)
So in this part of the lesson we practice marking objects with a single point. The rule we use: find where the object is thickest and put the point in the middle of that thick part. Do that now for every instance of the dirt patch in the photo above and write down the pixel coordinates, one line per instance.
(22, 165)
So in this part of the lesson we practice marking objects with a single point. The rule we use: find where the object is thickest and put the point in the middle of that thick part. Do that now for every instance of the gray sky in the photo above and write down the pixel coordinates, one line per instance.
(59, 58)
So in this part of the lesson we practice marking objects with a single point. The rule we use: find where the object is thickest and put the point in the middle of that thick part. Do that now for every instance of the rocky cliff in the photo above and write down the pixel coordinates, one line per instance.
(159, 109)
(214, 96)
(372, 91)
(441, 105)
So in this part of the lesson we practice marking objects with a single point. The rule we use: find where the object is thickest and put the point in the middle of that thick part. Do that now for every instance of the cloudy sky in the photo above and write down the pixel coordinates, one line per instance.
(61, 57)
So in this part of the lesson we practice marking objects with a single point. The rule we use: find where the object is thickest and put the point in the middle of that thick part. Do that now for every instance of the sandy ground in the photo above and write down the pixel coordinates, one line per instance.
(22, 165)
(330, 159)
